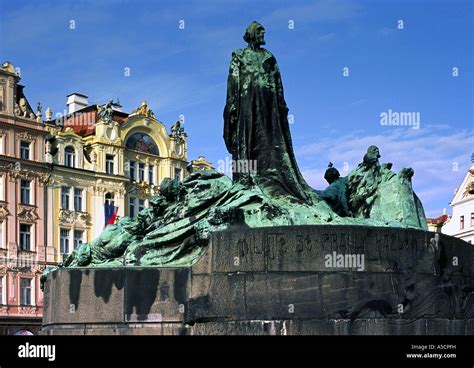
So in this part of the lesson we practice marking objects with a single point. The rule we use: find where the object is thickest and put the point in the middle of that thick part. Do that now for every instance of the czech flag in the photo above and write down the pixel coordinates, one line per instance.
(110, 212)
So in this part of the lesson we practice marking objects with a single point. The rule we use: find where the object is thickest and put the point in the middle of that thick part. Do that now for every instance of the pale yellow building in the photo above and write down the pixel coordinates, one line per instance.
(200, 164)
(101, 155)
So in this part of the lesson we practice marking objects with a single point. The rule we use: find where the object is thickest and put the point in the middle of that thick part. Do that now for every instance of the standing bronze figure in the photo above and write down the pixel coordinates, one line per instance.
(256, 129)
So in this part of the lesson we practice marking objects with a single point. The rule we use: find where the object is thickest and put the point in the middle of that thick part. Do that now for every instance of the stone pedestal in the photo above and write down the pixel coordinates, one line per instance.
(277, 281)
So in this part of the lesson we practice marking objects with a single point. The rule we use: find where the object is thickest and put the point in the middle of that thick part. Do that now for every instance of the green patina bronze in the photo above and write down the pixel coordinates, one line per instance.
(256, 128)
(267, 187)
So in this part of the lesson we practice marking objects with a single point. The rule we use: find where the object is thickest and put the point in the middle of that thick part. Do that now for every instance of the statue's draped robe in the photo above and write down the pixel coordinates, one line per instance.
(256, 125)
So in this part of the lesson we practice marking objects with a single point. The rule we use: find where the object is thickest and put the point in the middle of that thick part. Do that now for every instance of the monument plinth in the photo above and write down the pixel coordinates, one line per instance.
(279, 281)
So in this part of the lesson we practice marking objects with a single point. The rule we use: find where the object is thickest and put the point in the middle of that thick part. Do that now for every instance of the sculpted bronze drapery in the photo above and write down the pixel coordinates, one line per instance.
(256, 129)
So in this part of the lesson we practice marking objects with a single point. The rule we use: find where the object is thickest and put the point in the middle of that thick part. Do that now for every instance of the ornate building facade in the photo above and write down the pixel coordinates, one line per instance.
(461, 223)
(200, 164)
(63, 180)
(24, 174)
(104, 158)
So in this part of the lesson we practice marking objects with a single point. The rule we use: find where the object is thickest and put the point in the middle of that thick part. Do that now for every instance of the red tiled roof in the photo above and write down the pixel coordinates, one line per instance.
(438, 220)
(83, 123)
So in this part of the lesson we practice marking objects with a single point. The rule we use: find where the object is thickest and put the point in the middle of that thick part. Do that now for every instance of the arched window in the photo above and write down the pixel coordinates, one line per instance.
(69, 157)
(142, 142)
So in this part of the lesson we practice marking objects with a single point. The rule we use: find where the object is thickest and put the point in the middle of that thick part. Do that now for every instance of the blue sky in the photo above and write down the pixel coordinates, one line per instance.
(184, 71)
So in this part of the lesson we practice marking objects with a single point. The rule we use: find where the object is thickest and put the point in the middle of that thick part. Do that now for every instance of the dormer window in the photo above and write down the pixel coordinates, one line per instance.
(69, 157)
(109, 164)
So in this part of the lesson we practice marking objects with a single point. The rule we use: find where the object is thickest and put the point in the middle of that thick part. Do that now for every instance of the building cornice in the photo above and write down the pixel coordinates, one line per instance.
(462, 201)
(87, 173)
(13, 162)
(12, 120)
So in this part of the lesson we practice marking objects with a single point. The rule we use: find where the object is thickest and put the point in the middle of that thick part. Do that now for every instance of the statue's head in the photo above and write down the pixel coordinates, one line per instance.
(254, 35)
(372, 156)
(373, 151)
(331, 174)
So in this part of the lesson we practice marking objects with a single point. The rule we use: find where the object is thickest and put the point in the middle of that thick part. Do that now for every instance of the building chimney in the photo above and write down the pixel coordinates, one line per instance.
(75, 102)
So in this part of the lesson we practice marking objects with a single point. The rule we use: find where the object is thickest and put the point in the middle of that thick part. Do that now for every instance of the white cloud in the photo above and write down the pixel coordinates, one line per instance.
(315, 177)
(433, 152)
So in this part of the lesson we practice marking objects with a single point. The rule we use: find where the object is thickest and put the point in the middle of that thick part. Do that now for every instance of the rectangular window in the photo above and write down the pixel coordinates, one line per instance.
(2, 187)
(109, 164)
(25, 192)
(132, 170)
(25, 291)
(150, 174)
(69, 156)
(131, 207)
(25, 237)
(177, 174)
(141, 205)
(64, 241)
(77, 199)
(2, 278)
(2, 242)
(141, 171)
(151, 170)
(25, 150)
(65, 197)
(78, 236)
(461, 223)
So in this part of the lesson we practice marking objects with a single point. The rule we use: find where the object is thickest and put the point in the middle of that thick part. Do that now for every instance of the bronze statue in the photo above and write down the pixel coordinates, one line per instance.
(176, 228)
(106, 112)
(256, 128)
(336, 193)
